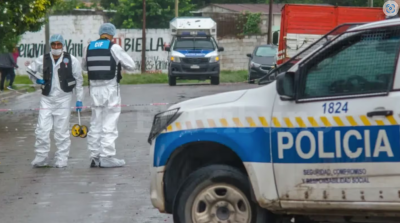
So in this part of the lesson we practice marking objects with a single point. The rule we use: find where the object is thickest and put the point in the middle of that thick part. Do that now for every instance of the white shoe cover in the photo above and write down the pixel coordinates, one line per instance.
(40, 161)
(61, 163)
(108, 162)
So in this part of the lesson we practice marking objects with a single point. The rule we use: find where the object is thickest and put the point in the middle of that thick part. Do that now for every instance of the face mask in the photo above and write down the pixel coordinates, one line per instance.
(56, 52)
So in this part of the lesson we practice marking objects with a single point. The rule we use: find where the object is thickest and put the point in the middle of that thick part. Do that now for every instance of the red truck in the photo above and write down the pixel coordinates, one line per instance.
(301, 25)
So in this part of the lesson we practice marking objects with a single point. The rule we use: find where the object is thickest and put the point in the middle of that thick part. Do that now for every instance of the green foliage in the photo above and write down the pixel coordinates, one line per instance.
(158, 13)
(248, 23)
(107, 3)
(18, 17)
(65, 7)
(252, 24)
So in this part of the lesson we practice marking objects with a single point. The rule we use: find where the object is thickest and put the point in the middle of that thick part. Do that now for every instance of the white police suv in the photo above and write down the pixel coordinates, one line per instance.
(321, 143)
(194, 52)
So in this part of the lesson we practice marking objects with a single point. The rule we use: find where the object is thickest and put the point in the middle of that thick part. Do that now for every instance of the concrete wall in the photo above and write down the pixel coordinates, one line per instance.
(234, 57)
(79, 30)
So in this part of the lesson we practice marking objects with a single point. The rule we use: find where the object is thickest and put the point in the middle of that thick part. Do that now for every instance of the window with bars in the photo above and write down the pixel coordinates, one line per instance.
(360, 62)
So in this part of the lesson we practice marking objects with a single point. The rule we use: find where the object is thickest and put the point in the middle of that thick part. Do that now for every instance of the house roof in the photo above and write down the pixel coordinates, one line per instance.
(263, 8)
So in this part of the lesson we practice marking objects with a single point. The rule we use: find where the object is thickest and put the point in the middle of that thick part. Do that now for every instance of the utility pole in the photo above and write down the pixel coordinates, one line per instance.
(47, 34)
(176, 8)
(371, 3)
(270, 17)
(143, 66)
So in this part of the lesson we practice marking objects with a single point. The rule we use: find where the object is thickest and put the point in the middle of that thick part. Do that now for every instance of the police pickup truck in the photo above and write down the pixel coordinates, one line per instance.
(321, 143)
(194, 52)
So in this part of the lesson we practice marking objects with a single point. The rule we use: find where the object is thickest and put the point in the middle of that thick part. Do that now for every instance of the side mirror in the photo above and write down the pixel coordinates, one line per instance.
(285, 86)
(167, 48)
(275, 38)
(220, 49)
(249, 55)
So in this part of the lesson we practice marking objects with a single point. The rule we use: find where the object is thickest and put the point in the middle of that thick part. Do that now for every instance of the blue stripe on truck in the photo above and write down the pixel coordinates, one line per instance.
(251, 144)
(350, 144)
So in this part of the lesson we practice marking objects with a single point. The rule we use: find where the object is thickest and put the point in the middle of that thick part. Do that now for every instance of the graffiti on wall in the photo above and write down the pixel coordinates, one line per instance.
(34, 50)
(155, 63)
(133, 46)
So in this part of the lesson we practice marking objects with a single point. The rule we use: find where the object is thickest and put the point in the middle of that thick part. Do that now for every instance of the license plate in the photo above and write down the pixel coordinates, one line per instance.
(194, 67)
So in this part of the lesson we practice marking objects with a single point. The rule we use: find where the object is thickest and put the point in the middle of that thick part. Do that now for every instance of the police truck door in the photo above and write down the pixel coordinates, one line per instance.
(339, 139)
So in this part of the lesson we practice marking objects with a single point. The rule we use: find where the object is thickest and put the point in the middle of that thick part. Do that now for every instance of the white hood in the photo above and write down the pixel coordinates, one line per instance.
(214, 99)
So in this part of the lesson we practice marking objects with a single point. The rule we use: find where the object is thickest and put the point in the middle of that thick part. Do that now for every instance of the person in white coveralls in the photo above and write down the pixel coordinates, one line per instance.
(62, 74)
(104, 60)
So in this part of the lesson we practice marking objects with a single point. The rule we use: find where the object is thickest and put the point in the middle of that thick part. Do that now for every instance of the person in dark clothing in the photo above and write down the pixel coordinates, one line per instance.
(7, 64)
(11, 76)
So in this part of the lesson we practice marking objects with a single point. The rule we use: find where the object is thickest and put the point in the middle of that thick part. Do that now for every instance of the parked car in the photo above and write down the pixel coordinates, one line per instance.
(261, 61)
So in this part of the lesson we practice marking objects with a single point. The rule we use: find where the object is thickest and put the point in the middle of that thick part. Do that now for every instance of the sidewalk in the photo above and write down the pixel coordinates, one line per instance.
(6, 95)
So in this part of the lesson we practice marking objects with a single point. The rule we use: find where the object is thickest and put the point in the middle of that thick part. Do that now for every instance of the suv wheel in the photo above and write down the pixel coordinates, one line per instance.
(217, 193)
(215, 80)
(171, 81)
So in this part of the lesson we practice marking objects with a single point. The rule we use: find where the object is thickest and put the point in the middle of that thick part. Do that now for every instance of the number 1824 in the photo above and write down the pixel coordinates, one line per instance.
(335, 107)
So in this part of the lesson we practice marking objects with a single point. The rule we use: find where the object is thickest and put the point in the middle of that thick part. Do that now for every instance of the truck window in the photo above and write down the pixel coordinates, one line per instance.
(194, 43)
(360, 64)
(337, 31)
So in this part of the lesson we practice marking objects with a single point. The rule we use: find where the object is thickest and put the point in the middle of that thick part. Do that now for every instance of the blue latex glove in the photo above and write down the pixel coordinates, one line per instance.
(79, 104)
(39, 81)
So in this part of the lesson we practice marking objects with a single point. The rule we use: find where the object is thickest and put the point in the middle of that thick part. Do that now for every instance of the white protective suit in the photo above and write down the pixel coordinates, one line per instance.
(49, 116)
(103, 129)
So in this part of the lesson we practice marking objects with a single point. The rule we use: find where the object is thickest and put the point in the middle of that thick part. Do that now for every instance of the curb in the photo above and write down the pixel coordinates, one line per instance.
(10, 94)
(5, 94)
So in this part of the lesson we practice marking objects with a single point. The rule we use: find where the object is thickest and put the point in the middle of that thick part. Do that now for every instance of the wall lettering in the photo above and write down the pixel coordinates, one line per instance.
(152, 63)
(74, 48)
(34, 50)
(31, 50)
(135, 44)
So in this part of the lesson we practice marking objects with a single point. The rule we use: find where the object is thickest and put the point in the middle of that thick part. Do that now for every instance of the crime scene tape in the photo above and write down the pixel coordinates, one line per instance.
(85, 107)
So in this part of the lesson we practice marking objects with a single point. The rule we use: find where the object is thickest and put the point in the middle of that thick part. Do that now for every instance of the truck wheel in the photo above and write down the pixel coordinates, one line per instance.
(217, 193)
(215, 80)
(171, 81)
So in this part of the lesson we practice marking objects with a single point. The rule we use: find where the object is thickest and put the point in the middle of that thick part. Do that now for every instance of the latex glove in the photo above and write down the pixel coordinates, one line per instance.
(39, 81)
(79, 104)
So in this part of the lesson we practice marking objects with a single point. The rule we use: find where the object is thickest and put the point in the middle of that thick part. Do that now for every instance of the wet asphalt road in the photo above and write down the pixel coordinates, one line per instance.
(78, 193)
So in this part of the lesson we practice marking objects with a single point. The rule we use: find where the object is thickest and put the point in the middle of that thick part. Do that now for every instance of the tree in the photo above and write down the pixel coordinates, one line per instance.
(158, 13)
(18, 17)
(66, 6)
(107, 3)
